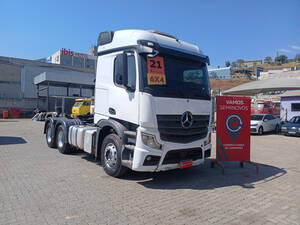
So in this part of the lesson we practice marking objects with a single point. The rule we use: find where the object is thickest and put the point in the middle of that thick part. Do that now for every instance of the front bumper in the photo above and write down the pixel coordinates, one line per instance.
(289, 131)
(169, 156)
(254, 129)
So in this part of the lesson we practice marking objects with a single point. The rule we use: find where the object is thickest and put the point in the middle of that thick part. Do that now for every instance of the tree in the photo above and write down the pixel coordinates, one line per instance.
(227, 63)
(281, 59)
(233, 64)
(297, 58)
(268, 60)
(239, 62)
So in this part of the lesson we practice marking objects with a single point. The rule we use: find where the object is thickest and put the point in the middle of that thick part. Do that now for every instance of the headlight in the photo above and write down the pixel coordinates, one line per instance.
(299, 128)
(283, 128)
(150, 140)
(206, 142)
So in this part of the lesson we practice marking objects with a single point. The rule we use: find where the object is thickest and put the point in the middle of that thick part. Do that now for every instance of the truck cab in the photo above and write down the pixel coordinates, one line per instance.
(82, 106)
(262, 107)
(158, 86)
(153, 106)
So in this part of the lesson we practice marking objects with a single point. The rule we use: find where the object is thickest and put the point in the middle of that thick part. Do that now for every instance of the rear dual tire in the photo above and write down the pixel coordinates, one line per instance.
(49, 139)
(62, 146)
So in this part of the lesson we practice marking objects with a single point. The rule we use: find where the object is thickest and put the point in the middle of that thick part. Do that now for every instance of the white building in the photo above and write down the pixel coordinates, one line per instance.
(284, 73)
(71, 58)
(289, 105)
(219, 73)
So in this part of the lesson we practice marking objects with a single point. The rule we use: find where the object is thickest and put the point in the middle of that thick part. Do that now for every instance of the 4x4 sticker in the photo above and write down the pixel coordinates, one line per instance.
(156, 71)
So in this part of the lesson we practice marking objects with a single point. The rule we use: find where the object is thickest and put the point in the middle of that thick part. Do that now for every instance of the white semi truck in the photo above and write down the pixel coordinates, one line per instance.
(152, 105)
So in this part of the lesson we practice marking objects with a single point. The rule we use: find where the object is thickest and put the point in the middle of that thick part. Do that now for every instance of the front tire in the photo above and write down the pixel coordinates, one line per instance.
(62, 146)
(49, 139)
(261, 131)
(111, 156)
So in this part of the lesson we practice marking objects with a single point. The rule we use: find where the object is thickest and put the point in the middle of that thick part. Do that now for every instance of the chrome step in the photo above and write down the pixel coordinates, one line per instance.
(130, 147)
(130, 133)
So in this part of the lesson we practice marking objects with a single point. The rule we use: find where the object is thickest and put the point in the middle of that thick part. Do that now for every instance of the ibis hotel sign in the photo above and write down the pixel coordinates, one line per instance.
(233, 128)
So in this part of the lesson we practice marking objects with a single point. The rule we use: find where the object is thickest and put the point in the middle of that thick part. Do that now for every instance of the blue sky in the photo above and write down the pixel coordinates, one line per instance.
(224, 30)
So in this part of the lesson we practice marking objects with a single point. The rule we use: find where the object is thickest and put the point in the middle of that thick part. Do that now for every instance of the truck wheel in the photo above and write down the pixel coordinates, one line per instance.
(63, 147)
(49, 139)
(111, 156)
(261, 131)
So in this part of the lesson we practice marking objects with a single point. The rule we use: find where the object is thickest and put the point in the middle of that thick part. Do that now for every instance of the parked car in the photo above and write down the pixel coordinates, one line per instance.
(261, 123)
(292, 127)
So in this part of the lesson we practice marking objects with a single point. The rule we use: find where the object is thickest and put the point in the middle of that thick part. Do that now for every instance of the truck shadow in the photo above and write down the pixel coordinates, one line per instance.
(206, 177)
(8, 140)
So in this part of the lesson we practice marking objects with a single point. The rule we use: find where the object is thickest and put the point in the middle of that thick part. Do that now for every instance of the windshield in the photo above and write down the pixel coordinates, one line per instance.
(167, 76)
(256, 117)
(295, 119)
(77, 104)
(260, 105)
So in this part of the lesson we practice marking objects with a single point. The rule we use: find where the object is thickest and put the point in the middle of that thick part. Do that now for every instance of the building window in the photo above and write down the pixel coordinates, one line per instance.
(295, 107)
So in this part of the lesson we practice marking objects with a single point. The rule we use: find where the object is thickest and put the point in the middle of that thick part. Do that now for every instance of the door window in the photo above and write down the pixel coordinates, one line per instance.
(131, 71)
(131, 68)
(269, 117)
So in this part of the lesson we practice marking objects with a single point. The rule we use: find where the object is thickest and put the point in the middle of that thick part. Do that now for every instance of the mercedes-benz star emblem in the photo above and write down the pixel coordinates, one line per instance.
(187, 120)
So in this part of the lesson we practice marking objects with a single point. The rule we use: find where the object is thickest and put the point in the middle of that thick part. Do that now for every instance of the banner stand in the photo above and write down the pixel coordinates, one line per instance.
(252, 163)
(233, 131)
(212, 165)
(214, 161)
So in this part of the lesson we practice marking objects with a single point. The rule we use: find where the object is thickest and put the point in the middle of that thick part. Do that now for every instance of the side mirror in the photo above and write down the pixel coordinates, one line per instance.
(122, 70)
(265, 120)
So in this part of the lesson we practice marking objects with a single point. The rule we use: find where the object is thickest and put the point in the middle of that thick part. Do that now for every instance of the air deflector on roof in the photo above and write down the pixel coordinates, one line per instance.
(163, 34)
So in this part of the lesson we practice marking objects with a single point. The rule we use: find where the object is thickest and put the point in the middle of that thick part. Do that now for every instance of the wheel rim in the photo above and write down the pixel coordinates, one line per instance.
(60, 141)
(110, 155)
(49, 135)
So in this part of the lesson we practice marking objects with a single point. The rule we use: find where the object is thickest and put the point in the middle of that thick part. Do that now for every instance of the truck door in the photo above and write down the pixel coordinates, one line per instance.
(123, 103)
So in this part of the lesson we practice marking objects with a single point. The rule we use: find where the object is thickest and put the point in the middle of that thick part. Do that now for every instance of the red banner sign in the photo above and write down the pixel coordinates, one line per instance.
(233, 128)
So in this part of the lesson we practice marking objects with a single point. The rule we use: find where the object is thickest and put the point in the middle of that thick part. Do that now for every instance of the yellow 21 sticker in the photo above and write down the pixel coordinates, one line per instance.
(156, 71)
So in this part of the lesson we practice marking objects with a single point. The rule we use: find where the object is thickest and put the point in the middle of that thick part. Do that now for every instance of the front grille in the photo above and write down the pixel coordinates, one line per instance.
(170, 128)
(175, 156)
